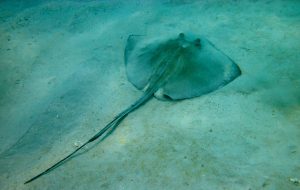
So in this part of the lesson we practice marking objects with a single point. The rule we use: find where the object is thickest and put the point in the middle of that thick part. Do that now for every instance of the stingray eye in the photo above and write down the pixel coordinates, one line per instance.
(181, 35)
(197, 42)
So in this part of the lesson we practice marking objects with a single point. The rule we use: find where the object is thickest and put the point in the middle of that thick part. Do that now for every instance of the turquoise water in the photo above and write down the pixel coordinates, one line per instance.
(63, 79)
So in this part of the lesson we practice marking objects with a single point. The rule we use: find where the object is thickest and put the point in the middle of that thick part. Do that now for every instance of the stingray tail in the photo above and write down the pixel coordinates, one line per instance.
(106, 130)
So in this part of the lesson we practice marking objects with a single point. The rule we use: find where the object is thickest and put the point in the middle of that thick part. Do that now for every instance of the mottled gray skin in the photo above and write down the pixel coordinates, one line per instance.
(168, 66)
(166, 60)
(187, 66)
(167, 63)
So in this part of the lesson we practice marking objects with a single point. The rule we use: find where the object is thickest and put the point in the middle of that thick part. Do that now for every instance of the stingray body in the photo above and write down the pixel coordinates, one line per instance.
(174, 69)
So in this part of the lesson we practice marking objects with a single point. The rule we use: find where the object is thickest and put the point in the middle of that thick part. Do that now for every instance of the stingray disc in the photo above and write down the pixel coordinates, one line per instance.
(203, 67)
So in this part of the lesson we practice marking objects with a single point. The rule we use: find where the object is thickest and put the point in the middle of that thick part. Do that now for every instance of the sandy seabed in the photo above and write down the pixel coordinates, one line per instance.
(62, 78)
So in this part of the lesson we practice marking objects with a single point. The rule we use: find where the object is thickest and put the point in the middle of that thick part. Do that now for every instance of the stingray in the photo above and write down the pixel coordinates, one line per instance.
(179, 68)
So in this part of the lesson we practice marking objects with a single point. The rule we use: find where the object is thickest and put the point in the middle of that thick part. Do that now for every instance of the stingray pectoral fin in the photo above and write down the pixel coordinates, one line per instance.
(138, 73)
(131, 43)
(206, 70)
(142, 59)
